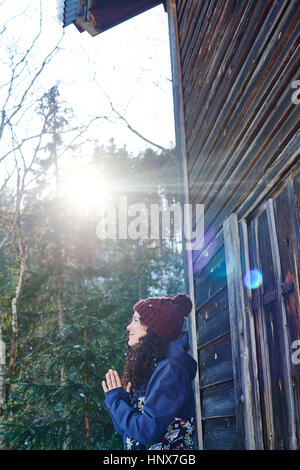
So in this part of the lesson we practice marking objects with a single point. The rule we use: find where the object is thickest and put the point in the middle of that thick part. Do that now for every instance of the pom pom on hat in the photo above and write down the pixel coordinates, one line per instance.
(184, 302)
(165, 315)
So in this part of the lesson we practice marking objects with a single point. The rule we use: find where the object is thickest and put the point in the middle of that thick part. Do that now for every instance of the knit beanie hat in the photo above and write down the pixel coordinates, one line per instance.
(165, 315)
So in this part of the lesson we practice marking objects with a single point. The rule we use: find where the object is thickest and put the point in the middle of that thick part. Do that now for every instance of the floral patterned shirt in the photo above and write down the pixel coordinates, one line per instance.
(178, 435)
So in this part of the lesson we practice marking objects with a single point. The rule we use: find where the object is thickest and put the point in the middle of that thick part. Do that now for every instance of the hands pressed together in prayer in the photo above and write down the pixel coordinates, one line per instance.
(113, 381)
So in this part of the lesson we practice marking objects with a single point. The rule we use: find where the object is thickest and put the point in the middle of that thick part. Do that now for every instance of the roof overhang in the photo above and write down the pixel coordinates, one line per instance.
(96, 16)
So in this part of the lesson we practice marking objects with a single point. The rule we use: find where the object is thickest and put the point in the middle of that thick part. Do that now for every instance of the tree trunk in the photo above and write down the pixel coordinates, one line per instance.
(2, 382)
(86, 401)
(14, 309)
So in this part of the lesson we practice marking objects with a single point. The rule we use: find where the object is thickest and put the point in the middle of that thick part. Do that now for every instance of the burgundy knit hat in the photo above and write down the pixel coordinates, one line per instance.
(165, 315)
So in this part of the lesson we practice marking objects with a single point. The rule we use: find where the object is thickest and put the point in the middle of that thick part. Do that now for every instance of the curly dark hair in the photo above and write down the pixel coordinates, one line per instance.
(142, 359)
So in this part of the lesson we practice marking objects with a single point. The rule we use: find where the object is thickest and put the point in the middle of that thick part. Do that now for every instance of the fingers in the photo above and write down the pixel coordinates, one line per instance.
(105, 389)
(117, 378)
(108, 380)
(112, 380)
(128, 387)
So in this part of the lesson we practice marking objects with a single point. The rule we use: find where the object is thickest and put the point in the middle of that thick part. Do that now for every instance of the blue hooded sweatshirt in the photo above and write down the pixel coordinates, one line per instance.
(160, 414)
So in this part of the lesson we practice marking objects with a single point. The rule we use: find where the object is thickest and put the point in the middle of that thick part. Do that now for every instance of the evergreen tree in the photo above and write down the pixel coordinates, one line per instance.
(99, 281)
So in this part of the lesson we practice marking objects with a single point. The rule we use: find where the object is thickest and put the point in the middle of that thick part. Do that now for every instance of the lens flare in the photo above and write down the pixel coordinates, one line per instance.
(201, 257)
(253, 279)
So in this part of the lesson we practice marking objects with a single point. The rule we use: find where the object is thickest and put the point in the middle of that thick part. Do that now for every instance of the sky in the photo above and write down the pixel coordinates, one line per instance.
(128, 65)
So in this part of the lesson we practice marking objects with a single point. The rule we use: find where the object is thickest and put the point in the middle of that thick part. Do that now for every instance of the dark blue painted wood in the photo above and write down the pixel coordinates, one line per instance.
(215, 362)
(220, 434)
(218, 400)
(213, 319)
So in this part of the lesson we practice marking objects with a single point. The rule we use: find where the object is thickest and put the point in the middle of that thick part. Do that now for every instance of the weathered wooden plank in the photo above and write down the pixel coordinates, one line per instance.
(289, 250)
(239, 336)
(275, 173)
(288, 231)
(191, 48)
(297, 193)
(220, 434)
(218, 401)
(180, 6)
(227, 31)
(213, 319)
(206, 50)
(207, 86)
(273, 340)
(215, 362)
(271, 296)
(201, 31)
(286, 357)
(202, 259)
(251, 338)
(263, 360)
(296, 231)
(199, 13)
(211, 278)
(195, 74)
(184, 24)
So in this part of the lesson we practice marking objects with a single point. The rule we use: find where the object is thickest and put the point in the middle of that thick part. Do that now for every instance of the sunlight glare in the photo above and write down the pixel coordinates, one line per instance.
(86, 189)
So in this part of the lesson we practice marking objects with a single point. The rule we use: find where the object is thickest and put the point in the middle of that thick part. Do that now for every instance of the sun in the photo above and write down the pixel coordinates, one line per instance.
(85, 188)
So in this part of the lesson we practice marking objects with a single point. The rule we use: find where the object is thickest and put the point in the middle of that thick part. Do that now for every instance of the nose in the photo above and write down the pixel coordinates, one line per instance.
(129, 327)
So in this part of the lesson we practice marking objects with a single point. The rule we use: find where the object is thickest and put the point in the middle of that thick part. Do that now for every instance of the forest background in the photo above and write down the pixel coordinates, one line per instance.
(66, 295)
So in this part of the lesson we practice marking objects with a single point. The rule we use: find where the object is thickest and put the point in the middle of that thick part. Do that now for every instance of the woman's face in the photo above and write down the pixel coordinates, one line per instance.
(136, 330)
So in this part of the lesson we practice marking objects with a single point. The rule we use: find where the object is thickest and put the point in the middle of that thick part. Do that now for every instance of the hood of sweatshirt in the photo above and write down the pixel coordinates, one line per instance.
(178, 350)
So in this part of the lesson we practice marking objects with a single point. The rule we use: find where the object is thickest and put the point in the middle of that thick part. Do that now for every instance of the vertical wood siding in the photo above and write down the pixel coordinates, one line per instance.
(215, 356)
(279, 376)
(239, 60)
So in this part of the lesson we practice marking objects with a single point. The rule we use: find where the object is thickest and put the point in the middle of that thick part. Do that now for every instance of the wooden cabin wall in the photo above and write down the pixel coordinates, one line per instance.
(239, 61)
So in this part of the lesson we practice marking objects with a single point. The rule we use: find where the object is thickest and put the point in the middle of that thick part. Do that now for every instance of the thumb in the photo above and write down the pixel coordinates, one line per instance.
(128, 387)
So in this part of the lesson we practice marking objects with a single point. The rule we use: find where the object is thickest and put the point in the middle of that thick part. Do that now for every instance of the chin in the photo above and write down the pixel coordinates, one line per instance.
(131, 343)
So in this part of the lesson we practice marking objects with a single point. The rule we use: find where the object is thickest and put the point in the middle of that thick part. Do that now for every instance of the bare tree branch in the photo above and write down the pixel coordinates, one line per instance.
(17, 211)
(18, 147)
(5, 120)
(6, 181)
(81, 132)
(23, 59)
(163, 149)
(121, 117)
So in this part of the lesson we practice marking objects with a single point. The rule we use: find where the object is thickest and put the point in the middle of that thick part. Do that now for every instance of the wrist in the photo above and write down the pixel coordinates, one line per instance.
(116, 394)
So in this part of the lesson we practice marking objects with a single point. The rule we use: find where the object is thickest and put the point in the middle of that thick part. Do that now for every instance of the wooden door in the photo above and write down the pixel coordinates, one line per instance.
(267, 337)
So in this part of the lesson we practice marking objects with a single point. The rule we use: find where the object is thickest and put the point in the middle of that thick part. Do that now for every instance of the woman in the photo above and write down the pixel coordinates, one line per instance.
(153, 406)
